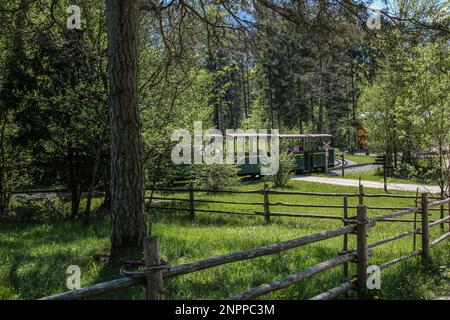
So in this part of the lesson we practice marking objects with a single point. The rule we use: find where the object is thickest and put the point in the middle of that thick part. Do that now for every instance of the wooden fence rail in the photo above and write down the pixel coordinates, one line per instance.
(205, 264)
(287, 192)
(266, 204)
(294, 278)
(154, 273)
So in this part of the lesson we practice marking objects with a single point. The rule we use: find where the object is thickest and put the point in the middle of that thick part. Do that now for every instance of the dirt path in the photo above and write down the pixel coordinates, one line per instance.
(369, 184)
(350, 163)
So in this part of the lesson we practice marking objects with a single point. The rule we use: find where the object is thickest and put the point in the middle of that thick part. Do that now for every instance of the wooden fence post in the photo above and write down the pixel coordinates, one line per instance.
(442, 208)
(155, 285)
(415, 220)
(191, 201)
(449, 215)
(385, 172)
(342, 164)
(425, 231)
(361, 250)
(345, 244)
(361, 193)
(266, 203)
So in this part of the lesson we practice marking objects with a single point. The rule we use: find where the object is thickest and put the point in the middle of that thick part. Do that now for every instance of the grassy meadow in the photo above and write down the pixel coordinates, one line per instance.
(35, 256)
(358, 158)
(377, 175)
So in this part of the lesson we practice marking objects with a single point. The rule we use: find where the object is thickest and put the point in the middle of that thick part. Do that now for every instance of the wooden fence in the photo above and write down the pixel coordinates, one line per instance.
(267, 205)
(154, 272)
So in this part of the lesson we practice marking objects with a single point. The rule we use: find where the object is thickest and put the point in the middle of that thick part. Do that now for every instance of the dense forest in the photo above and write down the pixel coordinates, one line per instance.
(92, 109)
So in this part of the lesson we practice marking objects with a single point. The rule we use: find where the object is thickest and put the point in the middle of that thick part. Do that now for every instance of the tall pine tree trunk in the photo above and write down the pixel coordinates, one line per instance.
(91, 185)
(74, 182)
(271, 124)
(127, 176)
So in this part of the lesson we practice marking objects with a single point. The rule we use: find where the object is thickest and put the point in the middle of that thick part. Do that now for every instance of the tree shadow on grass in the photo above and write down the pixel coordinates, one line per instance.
(110, 271)
(34, 274)
(35, 257)
(202, 219)
(411, 280)
(230, 279)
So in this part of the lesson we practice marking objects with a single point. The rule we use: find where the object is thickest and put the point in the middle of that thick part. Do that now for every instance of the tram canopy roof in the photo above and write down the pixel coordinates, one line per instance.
(281, 136)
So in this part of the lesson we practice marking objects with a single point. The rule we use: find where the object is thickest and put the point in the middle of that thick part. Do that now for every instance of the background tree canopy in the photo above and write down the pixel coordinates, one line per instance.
(298, 66)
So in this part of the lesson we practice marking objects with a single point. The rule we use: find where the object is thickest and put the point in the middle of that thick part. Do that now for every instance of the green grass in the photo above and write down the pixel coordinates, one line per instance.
(377, 175)
(357, 158)
(35, 256)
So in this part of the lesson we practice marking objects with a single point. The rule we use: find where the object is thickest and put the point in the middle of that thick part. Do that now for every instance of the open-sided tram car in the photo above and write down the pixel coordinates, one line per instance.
(308, 150)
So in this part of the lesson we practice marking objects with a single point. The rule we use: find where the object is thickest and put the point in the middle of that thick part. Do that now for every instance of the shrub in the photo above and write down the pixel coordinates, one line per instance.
(166, 173)
(214, 176)
(420, 171)
(38, 207)
(285, 171)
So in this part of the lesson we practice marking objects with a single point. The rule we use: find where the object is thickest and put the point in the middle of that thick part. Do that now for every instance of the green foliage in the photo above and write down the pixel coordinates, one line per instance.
(53, 99)
(405, 109)
(163, 111)
(305, 78)
(214, 176)
(38, 208)
(420, 171)
(285, 171)
(166, 173)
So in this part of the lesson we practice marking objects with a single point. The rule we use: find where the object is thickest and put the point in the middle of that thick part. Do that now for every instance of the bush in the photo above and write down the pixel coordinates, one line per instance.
(167, 174)
(38, 207)
(420, 171)
(214, 176)
(285, 171)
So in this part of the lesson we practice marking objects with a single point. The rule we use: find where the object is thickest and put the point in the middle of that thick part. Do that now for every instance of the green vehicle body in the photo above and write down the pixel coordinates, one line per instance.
(305, 161)
(307, 149)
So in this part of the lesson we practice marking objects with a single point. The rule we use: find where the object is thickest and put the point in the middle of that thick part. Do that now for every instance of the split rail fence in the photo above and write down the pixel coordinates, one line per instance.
(153, 271)
(267, 205)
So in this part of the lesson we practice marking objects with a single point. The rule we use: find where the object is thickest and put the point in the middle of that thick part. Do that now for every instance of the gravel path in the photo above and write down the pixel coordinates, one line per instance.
(361, 169)
(369, 184)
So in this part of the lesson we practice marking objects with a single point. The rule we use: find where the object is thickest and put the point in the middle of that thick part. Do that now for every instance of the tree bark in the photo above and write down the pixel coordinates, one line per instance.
(74, 184)
(91, 186)
(271, 124)
(75, 202)
(106, 205)
(320, 99)
(127, 175)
